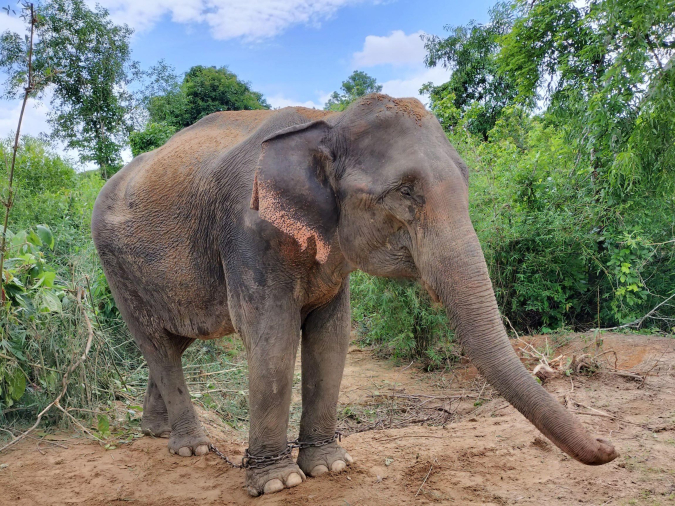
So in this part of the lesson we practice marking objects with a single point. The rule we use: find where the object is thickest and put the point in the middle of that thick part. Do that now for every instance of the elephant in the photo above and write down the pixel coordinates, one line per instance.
(251, 222)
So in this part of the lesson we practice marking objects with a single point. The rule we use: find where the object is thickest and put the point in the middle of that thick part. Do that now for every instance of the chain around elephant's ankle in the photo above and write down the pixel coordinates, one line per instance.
(322, 442)
(258, 462)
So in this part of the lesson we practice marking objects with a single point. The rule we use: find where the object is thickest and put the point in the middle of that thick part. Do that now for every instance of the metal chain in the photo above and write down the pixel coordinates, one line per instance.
(220, 454)
(323, 442)
(253, 462)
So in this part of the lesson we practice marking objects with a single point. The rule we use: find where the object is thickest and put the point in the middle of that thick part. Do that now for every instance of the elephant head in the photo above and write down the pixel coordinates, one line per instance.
(383, 178)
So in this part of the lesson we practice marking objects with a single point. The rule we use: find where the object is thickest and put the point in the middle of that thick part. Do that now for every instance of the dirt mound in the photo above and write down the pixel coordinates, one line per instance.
(486, 453)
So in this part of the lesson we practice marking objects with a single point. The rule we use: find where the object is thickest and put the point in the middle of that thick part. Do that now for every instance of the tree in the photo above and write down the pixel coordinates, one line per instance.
(477, 87)
(29, 16)
(204, 90)
(84, 59)
(151, 137)
(157, 84)
(168, 104)
(605, 73)
(565, 110)
(357, 85)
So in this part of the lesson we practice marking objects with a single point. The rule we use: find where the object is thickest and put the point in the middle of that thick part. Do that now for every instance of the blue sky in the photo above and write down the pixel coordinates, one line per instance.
(296, 52)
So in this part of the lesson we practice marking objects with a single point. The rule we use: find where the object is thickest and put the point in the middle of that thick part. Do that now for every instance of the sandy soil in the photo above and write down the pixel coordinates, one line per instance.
(486, 453)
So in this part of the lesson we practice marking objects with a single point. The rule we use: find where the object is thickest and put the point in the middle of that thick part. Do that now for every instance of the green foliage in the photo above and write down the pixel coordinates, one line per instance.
(83, 58)
(48, 190)
(153, 136)
(605, 71)
(210, 89)
(41, 327)
(572, 189)
(476, 87)
(356, 85)
(204, 90)
(27, 278)
(31, 290)
(37, 170)
(170, 104)
(558, 252)
(397, 317)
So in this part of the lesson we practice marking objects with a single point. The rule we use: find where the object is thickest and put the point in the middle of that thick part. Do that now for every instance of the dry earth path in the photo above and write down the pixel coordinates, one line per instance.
(486, 453)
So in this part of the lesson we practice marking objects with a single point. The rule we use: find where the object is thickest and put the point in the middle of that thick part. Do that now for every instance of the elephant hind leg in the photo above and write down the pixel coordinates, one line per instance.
(170, 410)
(155, 415)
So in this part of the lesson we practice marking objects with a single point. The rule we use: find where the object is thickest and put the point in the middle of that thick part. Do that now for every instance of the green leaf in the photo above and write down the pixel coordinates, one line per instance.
(33, 239)
(17, 384)
(47, 279)
(103, 425)
(46, 236)
(18, 239)
(50, 302)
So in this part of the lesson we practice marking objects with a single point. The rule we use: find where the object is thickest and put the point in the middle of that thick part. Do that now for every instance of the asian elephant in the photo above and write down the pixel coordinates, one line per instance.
(251, 222)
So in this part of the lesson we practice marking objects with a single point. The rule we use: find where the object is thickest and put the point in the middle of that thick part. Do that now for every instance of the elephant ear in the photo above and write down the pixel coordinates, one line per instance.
(292, 190)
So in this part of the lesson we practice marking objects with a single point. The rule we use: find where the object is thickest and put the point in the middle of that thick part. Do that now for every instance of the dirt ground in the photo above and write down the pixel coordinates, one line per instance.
(485, 453)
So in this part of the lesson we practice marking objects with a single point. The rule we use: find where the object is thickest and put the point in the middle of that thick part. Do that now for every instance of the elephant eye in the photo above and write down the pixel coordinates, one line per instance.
(406, 191)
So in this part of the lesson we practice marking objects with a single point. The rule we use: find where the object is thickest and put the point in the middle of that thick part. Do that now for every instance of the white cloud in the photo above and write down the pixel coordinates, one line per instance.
(12, 23)
(279, 101)
(400, 50)
(228, 19)
(34, 119)
(394, 49)
(410, 86)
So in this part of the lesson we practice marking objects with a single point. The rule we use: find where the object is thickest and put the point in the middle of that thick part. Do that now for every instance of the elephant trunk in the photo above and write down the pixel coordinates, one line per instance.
(459, 277)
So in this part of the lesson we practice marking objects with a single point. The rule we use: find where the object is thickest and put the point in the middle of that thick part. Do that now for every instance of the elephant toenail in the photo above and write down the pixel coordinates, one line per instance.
(202, 450)
(273, 486)
(338, 466)
(349, 458)
(293, 480)
(172, 451)
(319, 470)
(253, 492)
(185, 451)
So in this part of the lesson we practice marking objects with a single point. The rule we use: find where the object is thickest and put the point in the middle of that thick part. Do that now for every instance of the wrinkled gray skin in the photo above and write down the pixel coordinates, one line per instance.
(201, 238)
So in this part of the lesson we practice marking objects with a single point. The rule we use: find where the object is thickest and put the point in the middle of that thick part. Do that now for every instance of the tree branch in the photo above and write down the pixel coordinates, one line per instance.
(10, 179)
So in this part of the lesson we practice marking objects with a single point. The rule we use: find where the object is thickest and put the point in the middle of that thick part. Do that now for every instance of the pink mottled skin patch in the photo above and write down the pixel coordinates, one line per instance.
(271, 210)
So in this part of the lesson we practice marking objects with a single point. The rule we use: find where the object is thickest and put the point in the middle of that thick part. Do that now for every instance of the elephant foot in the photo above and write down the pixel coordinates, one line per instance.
(186, 445)
(157, 426)
(317, 460)
(273, 478)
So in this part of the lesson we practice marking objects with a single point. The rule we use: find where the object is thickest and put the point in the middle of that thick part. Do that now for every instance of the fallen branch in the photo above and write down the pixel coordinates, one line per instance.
(425, 479)
(406, 437)
(597, 412)
(630, 375)
(64, 382)
(637, 323)
(418, 396)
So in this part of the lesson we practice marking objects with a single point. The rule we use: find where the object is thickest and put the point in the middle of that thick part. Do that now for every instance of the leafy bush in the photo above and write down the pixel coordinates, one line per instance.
(41, 327)
(559, 253)
(397, 317)
(153, 136)
(29, 289)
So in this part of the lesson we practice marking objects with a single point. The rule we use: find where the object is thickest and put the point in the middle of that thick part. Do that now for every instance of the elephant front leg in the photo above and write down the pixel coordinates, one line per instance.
(325, 340)
(271, 343)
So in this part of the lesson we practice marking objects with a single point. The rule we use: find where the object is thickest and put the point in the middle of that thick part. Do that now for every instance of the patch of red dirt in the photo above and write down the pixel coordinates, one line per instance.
(493, 456)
